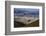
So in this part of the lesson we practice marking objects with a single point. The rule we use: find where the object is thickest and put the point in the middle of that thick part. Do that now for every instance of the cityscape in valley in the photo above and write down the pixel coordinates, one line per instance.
(26, 17)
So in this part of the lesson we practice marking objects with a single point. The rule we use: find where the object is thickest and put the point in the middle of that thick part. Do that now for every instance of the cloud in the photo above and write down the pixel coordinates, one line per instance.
(26, 11)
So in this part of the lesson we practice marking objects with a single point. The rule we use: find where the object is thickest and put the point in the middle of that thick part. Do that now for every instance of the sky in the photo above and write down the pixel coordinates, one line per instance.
(26, 12)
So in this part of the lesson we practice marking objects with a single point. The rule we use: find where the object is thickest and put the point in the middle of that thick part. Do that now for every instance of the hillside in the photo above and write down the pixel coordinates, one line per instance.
(33, 24)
